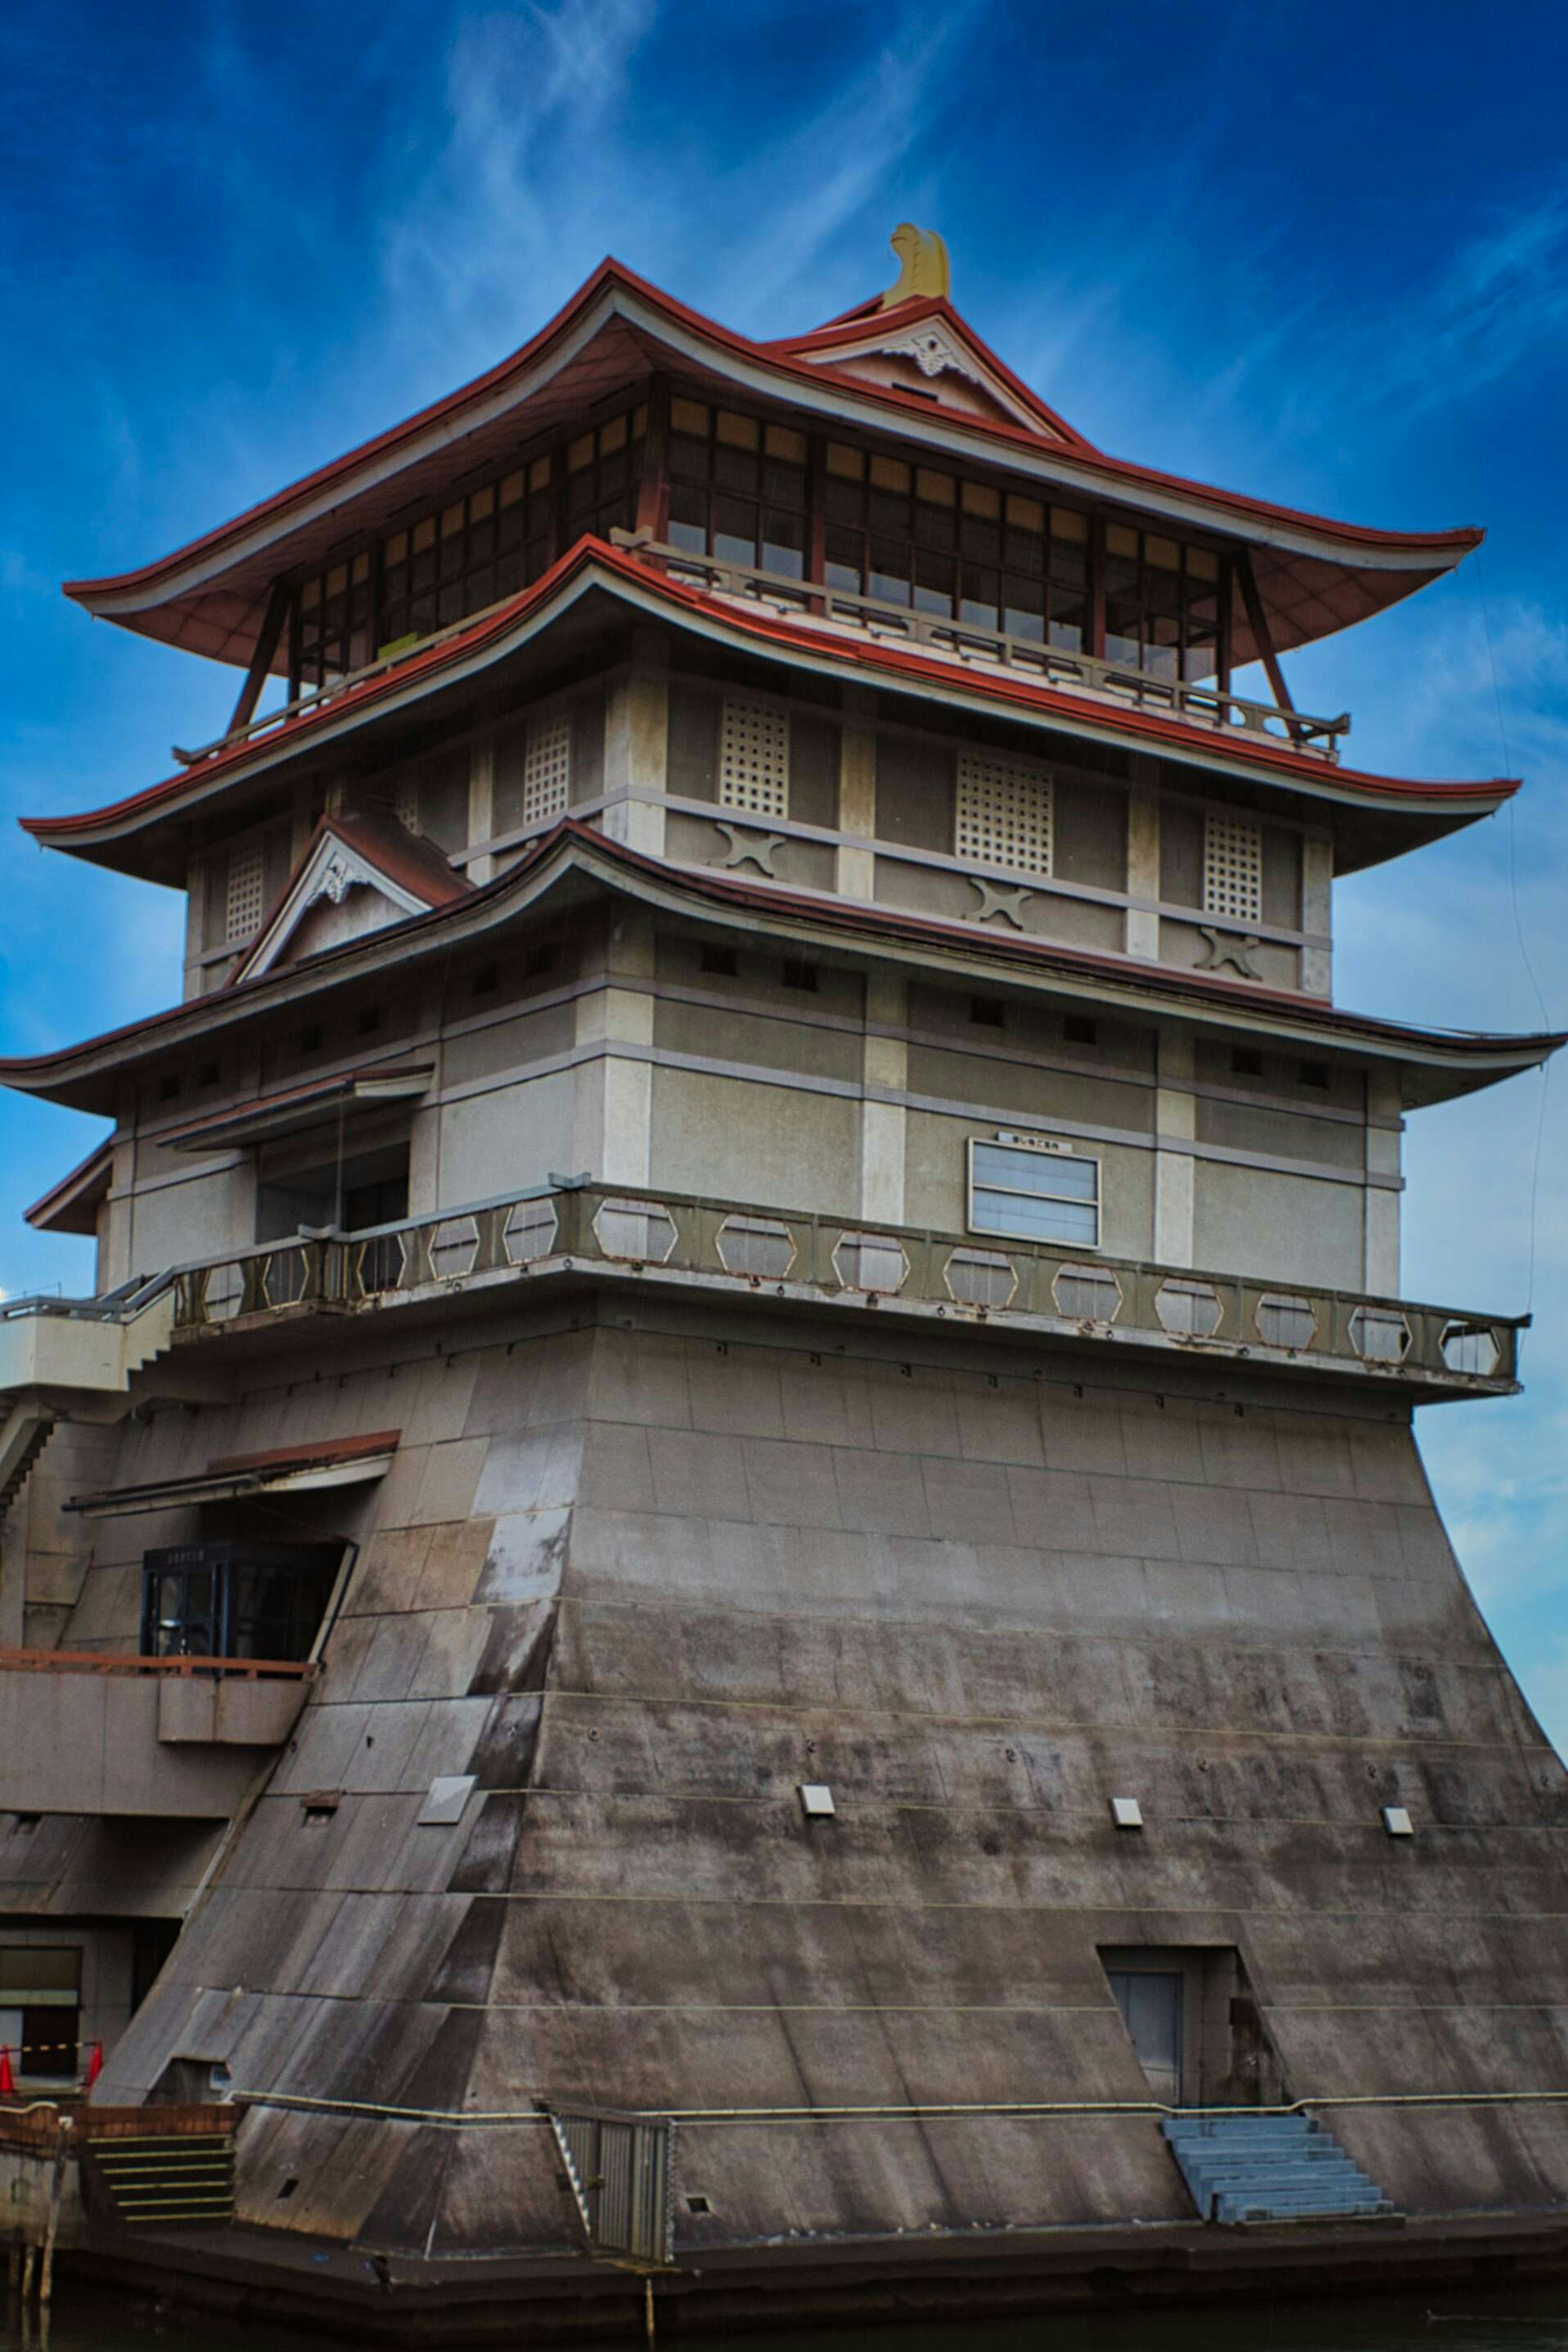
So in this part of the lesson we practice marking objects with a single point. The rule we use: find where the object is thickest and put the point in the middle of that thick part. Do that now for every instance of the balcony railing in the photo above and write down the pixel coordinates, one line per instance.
(1208, 707)
(731, 1248)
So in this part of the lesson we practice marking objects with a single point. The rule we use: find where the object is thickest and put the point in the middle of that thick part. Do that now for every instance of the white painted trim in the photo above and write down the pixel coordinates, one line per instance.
(330, 872)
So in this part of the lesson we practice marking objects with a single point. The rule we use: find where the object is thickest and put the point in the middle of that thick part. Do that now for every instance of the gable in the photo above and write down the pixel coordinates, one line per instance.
(343, 891)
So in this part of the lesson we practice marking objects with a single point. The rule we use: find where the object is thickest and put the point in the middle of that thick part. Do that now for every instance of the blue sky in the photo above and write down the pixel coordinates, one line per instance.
(1317, 252)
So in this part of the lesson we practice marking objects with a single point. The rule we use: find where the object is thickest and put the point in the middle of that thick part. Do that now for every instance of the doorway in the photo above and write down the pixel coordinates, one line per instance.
(1196, 2027)
(1151, 2003)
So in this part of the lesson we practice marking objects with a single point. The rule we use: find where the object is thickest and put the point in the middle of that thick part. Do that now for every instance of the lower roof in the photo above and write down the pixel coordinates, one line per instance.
(1385, 814)
(572, 864)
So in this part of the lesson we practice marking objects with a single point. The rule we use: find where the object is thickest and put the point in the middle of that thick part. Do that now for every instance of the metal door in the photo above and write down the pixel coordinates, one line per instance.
(621, 2168)
(1151, 2005)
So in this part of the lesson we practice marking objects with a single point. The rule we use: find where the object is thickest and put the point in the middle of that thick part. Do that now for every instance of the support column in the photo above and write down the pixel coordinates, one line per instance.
(1317, 912)
(197, 882)
(858, 794)
(1383, 1147)
(482, 804)
(884, 1126)
(612, 1124)
(637, 748)
(1144, 862)
(1175, 1116)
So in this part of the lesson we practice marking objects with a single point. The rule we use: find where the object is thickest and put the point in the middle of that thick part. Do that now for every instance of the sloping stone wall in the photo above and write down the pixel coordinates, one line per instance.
(644, 1578)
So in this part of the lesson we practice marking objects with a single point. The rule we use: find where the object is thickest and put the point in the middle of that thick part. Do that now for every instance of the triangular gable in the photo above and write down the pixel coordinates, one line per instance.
(359, 875)
(925, 347)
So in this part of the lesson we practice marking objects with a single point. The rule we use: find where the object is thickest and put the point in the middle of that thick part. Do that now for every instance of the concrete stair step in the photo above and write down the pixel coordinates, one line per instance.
(1246, 2167)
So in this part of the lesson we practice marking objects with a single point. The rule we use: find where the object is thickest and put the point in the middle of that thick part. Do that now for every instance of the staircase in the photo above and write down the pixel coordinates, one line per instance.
(1249, 2167)
(172, 2179)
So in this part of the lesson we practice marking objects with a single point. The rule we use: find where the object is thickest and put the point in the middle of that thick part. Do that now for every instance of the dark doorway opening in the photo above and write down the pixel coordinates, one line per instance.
(1195, 2024)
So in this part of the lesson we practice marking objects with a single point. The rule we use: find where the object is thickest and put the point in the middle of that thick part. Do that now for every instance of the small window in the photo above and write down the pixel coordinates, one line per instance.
(486, 980)
(1314, 1074)
(723, 963)
(754, 758)
(1034, 1195)
(309, 1040)
(1003, 815)
(206, 1074)
(367, 1019)
(169, 1086)
(244, 901)
(800, 975)
(541, 959)
(1078, 1030)
(547, 771)
(1246, 1064)
(986, 1011)
(1233, 867)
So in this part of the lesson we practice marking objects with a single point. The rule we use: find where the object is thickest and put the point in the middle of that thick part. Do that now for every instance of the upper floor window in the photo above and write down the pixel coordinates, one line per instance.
(1162, 604)
(1034, 1192)
(754, 758)
(603, 473)
(1233, 867)
(737, 488)
(960, 549)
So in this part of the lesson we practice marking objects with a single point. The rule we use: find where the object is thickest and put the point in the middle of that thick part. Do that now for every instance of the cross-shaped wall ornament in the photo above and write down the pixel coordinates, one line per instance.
(1008, 904)
(754, 848)
(1227, 949)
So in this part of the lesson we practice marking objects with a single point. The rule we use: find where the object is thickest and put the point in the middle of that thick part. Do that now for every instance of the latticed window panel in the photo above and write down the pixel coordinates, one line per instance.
(1003, 814)
(1233, 868)
(244, 905)
(754, 758)
(547, 771)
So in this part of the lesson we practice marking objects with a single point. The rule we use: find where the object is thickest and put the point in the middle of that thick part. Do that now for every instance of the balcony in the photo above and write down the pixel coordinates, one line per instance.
(729, 1250)
(171, 1738)
(1208, 708)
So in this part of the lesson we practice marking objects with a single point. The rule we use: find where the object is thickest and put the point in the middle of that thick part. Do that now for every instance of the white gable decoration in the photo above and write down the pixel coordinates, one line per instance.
(327, 876)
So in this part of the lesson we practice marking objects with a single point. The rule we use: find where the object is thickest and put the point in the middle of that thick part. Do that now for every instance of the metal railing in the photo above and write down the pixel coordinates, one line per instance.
(626, 1231)
(1209, 707)
(621, 2167)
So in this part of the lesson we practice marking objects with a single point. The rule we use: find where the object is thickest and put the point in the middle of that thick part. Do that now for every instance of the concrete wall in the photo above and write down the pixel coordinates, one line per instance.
(644, 1579)
(665, 1055)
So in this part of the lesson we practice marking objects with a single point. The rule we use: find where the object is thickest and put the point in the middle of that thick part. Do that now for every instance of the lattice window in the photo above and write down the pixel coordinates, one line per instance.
(547, 771)
(754, 759)
(244, 905)
(1233, 868)
(1003, 814)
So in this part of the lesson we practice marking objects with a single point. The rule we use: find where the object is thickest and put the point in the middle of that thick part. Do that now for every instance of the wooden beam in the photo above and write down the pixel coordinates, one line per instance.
(1263, 638)
(261, 659)
(653, 491)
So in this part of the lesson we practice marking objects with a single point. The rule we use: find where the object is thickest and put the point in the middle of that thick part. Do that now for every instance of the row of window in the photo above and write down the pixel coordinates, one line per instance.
(742, 491)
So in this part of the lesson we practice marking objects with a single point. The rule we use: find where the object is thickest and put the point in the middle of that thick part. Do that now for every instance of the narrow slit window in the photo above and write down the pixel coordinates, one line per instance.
(547, 771)
(754, 758)
(1233, 868)
(1038, 1196)
(1004, 815)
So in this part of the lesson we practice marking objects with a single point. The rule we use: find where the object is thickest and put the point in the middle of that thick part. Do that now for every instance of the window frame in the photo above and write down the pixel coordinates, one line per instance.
(1036, 1153)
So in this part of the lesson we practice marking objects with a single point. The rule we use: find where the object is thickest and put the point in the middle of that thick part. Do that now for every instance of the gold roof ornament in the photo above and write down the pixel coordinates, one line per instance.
(922, 265)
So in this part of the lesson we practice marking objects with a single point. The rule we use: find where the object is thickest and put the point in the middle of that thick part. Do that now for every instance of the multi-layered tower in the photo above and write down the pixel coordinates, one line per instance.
(745, 1449)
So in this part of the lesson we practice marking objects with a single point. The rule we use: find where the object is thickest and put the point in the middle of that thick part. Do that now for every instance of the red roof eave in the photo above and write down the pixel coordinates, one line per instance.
(893, 661)
(782, 357)
(855, 919)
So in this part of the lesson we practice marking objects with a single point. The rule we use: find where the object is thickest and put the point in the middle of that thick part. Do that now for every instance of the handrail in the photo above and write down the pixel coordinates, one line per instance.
(104, 1661)
(1212, 705)
(1205, 705)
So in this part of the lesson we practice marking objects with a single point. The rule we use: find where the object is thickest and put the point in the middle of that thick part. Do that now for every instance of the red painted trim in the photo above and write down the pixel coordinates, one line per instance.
(307, 1457)
(891, 661)
(908, 405)
(98, 1164)
(1218, 996)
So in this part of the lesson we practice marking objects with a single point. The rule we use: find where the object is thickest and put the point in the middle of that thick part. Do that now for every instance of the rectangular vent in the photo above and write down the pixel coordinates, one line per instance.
(547, 771)
(244, 908)
(1004, 815)
(405, 802)
(1233, 868)
(754, 759)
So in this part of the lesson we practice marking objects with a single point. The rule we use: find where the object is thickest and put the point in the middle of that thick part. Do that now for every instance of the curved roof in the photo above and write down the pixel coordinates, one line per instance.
(828, 649)
(1314, 574)
(1437, 1062)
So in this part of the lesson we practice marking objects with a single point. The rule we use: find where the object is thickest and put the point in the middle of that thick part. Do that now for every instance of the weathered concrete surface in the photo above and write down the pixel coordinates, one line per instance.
(114, 1743)
(644, 1578)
